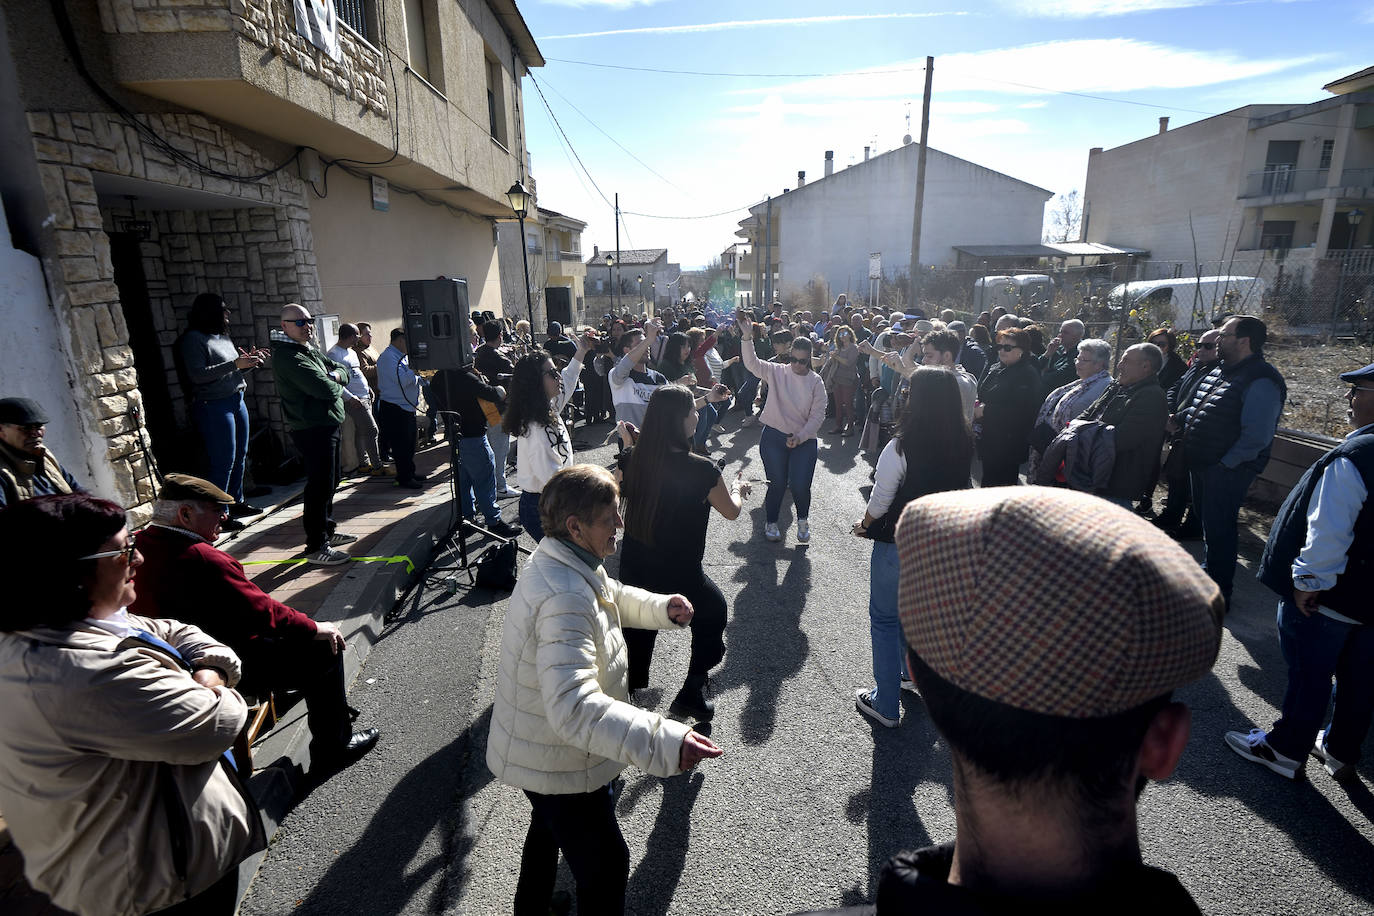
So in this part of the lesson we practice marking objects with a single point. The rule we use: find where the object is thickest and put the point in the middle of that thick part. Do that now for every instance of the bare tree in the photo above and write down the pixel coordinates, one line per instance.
(1065, 218)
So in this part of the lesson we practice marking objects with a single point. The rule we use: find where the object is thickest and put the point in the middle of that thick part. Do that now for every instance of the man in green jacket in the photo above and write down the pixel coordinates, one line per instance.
(311, 387)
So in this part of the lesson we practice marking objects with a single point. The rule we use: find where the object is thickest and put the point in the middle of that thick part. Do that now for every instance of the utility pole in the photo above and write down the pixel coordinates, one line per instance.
(617, 241)
(756, 291)
(768, 257)
(914, 271)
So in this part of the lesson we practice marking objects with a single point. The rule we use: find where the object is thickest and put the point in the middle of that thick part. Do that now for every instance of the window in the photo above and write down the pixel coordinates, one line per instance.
(1277, 233)
(496, 101)
(417, 46)
(1328, 147)
(358, 15)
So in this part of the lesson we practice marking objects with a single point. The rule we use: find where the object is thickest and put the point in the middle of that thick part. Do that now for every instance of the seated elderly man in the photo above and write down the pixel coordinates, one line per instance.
(184, 576)
(1137, 407)
(27, 468)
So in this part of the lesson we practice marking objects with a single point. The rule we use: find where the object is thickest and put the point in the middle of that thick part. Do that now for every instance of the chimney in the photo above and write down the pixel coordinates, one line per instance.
(1094, 151)
(801, 179)
(786, 190)
(1163, 124)
(865, 154)
(596, 252)
(829, 162)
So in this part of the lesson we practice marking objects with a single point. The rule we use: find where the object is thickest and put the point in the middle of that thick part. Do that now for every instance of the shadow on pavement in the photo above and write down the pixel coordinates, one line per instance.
(655, 880)
(766, 644)
(429, 796)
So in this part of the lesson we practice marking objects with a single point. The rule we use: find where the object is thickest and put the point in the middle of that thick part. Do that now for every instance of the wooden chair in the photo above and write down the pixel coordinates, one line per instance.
(262, 715)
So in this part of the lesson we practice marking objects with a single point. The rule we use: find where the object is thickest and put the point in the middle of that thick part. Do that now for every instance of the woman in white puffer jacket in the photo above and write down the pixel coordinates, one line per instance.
(562, 726)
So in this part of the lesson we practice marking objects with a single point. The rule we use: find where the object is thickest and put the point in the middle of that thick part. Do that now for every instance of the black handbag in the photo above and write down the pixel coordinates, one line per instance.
(496, 567)
(1041, 436)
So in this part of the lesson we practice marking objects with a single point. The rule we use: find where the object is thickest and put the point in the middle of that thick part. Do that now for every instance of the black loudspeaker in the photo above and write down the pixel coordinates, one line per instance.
(434, 314)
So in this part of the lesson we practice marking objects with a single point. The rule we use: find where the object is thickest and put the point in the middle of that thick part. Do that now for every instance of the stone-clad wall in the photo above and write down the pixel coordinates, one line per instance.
(234, 247)
(269, 24)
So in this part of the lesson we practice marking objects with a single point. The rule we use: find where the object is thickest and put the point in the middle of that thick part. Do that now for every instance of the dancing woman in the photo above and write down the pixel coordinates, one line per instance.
(669, 493)
(534, 408)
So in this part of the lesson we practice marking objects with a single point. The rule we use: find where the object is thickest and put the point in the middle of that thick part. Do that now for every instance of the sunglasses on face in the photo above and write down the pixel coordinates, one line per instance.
(300, 322)
(30, 428)
(126, 552)
(802, 360)
(1007, 348)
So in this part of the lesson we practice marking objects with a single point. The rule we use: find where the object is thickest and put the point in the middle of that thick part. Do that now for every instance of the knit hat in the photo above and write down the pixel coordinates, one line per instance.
(1052, 601)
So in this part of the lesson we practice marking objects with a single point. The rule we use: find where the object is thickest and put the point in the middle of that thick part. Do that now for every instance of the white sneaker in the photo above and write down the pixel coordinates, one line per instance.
(328, 556)
(803, 531)
(1335, 768)
(771, 531)
(1255, 746)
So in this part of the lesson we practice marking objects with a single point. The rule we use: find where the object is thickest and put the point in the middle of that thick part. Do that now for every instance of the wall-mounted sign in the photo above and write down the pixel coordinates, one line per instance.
(379, 194)
(318, 24)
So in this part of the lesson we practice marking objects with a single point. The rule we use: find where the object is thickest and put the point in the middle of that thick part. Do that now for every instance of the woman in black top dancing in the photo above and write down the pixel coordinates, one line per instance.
(669, 493)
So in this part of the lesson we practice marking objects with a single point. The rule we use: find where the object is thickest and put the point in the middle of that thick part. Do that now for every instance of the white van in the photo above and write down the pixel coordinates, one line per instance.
(1184, 296)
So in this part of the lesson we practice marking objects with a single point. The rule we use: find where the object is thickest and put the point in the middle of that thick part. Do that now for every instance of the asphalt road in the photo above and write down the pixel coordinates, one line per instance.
(809, 798)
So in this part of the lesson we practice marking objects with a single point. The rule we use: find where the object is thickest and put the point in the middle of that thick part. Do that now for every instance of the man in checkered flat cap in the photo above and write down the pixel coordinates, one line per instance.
(1047, 630)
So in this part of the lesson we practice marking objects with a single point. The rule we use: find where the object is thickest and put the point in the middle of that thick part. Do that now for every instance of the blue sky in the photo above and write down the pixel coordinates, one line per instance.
(826, 76)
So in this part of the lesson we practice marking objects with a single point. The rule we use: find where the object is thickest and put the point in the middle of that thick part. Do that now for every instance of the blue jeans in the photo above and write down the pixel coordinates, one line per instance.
(223, 424)
(1316, 648)
(477, 477)
(1218, 493)
(748, 390)
(706, 418)
(885, 629)
(499, 440)
(529, 515)
(787, 468)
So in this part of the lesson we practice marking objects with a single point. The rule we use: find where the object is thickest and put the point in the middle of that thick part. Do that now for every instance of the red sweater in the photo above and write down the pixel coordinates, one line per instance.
(195, 582)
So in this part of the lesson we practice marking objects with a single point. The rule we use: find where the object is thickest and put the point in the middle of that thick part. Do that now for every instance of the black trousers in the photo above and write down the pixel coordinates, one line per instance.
(307, 665)
(319, 448)
(584, 828)
(1001, 470)
(708, 620)
(397, 426)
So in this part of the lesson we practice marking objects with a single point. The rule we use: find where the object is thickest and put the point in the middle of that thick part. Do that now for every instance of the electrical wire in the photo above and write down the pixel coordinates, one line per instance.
(627, 152)
(563, 133)
(588, 63)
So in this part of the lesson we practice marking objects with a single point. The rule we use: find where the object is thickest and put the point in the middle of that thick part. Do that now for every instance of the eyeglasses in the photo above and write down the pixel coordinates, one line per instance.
(802, 360)
(1210, 346)
(30, 428)
(1007, 348)
(1355, 388)
(126, 552)
(300, 322)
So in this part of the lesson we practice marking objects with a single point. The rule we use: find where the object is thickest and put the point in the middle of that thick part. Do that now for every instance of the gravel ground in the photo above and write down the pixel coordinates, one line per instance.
(1316, 396)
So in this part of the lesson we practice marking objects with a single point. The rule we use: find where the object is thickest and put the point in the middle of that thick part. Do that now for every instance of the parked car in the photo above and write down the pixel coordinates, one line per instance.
(1019, 294)
(1188, 302)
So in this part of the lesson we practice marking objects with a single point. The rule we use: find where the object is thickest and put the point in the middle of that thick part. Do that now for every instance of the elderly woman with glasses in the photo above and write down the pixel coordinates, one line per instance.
(562, 725)
(534, 407)
(1008, 399)
(1065, 403)
(114, 728)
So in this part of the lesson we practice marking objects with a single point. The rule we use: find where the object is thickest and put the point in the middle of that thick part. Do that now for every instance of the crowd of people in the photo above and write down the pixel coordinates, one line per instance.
(1055, 712)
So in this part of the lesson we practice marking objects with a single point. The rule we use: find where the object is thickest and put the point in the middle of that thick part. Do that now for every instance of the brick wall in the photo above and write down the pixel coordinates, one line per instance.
(234, 247)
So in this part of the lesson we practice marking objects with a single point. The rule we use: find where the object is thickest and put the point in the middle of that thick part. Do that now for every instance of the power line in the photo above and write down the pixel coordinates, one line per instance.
(615, 141)
(588, 63)
(701, 216)
(563, 133)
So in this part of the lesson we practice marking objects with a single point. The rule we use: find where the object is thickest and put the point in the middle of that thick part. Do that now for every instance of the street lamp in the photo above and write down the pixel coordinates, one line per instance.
(519, 198)
(639, 278)
(1352, 219)
(610, 280)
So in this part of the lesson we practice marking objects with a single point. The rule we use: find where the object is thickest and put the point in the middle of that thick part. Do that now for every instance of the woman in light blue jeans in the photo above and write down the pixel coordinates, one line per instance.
(930, 454)
(215, 367)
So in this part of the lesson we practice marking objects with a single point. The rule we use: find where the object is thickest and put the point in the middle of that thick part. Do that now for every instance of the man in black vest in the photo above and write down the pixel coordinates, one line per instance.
(1227, 432)
(1179, 518)
(1320, 561)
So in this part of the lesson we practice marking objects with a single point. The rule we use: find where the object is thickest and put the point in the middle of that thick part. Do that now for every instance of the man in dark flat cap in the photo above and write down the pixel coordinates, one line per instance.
(27, 468)
(1047, 632)
(1320, 561)
(184, 576)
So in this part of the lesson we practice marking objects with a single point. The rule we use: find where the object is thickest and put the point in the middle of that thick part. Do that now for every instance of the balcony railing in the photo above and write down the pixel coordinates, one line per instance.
(570, 256)
(1274, 181)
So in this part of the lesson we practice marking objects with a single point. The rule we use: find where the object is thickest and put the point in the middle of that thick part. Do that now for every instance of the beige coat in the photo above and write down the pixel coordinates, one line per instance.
(562, 722)
(110, 773)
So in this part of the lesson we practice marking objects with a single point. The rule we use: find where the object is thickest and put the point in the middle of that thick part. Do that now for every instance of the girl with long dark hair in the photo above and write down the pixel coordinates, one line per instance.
(930, 453)
(669, 493)
(214, 368)
(534, 406)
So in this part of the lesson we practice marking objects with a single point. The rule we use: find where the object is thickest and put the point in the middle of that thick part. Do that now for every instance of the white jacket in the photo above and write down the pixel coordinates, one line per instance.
(561, 722)
(536, 457)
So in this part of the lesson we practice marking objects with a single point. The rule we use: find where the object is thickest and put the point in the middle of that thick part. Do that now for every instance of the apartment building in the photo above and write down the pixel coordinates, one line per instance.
(266, 150)
(1256, 188)
(553, 251)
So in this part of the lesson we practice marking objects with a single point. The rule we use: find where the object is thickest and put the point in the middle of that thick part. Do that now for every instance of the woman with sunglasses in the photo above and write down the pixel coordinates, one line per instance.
(669, 493)
(114, 729)
(1008, 399)
(844, 379)
(534, 407)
